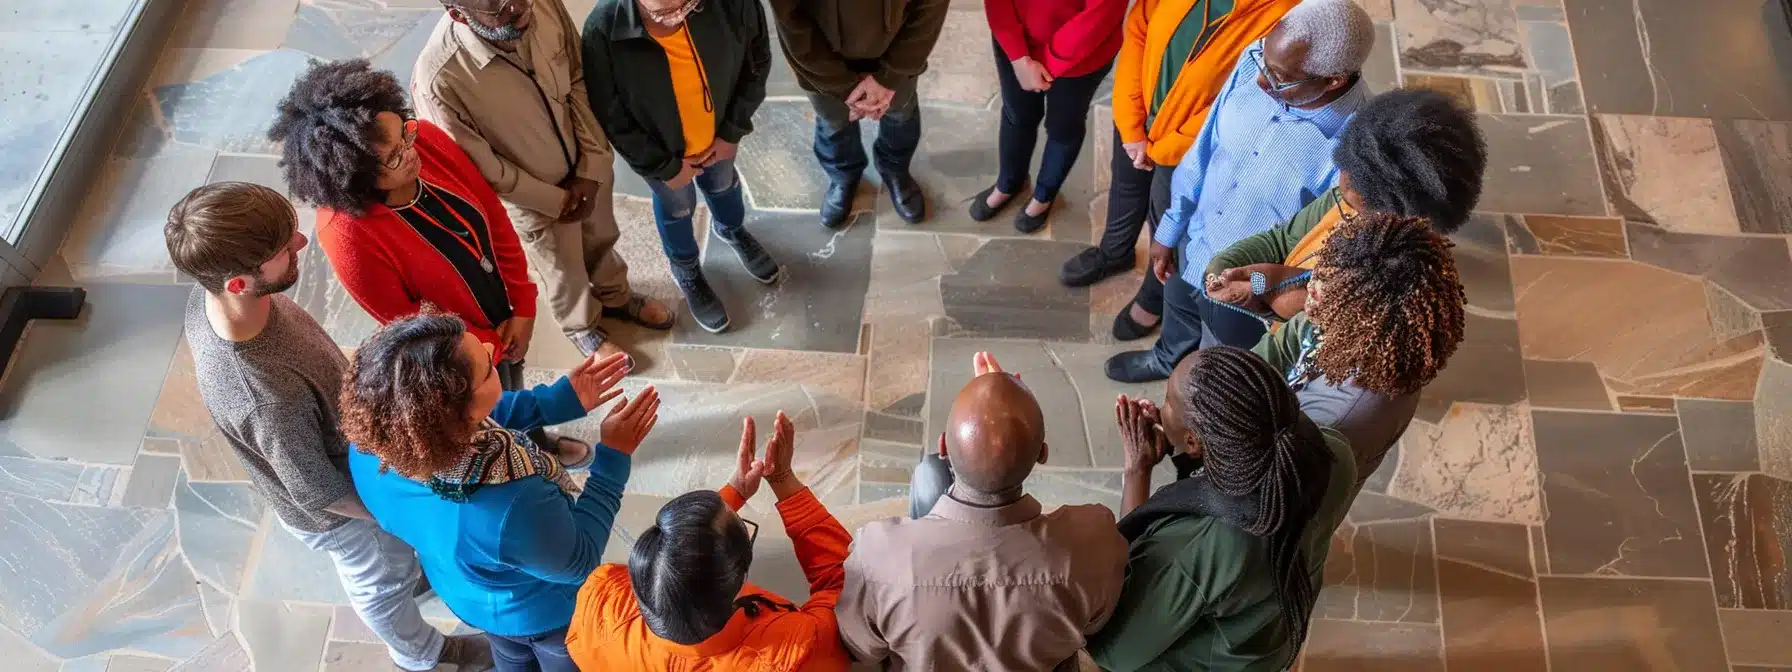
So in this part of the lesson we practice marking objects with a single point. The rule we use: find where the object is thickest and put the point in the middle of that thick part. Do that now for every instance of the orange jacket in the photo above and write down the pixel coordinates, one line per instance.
(608, 633)
(1149, 26)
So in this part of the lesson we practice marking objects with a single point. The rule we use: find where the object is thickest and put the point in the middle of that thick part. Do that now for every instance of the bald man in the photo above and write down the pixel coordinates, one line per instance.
(980, 577)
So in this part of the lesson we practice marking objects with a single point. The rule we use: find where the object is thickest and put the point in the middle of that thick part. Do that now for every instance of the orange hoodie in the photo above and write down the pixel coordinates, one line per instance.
(608, 633)
(1149, 26)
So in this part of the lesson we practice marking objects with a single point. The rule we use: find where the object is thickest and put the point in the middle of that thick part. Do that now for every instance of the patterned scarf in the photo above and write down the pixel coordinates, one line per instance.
(499, 456)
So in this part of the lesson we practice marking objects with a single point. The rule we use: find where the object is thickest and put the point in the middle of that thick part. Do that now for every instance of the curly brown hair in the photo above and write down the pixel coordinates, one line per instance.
(1390, 306)
(405, 397)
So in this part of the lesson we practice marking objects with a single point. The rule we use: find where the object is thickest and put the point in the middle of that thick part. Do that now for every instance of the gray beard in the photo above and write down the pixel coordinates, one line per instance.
(506, 33)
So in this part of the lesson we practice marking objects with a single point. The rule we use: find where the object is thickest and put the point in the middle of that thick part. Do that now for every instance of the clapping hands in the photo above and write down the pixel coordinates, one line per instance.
(775, 466)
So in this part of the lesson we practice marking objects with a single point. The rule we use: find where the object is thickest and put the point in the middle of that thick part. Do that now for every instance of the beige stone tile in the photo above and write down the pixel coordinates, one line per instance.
(1356, 646)
(962, 66)
(1730, 317)
(1638, 404)
(356, 657)
(1657, 342)
(234, 24)
(1555, 235)
(702, 363)
(840, 375)
(282, 637)
(1474, 93)
(1480, 463)
(1756, 637)
(1379, 10)
(130, 663)
(1666, 171)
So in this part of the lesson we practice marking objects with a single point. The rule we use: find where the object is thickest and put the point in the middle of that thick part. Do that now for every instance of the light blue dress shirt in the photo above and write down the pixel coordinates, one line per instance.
(1256, 162)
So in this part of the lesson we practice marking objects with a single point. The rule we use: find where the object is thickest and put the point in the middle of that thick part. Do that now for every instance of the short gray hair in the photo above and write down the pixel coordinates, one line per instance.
(1338, 33)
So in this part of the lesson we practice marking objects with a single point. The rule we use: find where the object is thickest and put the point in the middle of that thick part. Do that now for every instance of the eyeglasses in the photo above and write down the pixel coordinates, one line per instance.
(674, 15)
(752, 529)
(1345, 212)
(1256, 52)
(406, 141)
(508, 12)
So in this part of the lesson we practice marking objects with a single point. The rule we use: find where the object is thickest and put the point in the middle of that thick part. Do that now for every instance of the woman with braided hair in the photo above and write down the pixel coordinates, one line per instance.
(1227, 561)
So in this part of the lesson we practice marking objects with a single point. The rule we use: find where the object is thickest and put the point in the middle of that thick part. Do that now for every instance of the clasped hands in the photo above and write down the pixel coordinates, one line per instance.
(1233, 286)
(869, 100)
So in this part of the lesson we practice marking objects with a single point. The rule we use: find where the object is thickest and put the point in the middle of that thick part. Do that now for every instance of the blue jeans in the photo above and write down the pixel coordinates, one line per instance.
(1192, 321)
(545, 652)
(672, 209)
(841, 151)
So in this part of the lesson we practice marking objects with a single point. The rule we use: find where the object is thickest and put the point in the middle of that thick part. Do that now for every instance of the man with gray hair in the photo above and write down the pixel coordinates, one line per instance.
(1264, 152)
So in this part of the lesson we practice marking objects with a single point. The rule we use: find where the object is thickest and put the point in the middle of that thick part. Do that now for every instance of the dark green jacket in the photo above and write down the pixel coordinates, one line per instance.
(830, 43)
(630, 84)
(1200, 595)
(1274, 246)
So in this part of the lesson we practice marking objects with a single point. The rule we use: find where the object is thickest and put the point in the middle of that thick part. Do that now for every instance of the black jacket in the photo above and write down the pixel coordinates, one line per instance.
(630, 84)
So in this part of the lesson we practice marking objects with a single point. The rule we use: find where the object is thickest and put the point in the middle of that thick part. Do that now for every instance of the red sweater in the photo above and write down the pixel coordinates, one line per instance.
(1070, 37)
(391, 270)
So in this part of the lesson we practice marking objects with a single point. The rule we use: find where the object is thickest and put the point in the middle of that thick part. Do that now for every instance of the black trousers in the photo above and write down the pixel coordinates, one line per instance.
(1135, 198)
(1064, 109)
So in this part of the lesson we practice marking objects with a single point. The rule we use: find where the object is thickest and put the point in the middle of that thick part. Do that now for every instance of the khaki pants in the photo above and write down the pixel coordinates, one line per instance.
(575, 263)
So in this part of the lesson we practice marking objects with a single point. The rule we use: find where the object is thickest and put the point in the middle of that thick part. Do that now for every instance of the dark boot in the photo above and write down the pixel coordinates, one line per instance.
(836, 206)
(705, 306)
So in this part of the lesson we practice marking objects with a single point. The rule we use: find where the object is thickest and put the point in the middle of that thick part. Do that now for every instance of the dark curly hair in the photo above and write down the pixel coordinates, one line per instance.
(327, 126)
(1415, 152)
(405, 397)
(1258, 445)
(1390, 305)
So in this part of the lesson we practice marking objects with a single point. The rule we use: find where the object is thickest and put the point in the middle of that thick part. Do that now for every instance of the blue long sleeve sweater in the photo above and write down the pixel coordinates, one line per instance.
(510, 559)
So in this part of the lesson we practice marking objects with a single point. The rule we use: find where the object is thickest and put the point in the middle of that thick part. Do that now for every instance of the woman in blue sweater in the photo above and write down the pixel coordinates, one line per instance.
(442, 463)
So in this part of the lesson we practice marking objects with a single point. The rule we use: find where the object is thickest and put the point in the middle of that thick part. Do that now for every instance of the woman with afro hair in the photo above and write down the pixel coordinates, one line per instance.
(1384, 292)
(405, 217)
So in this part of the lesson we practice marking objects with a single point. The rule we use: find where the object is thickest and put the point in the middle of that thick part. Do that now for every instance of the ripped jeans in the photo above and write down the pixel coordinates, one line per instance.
(672, 209)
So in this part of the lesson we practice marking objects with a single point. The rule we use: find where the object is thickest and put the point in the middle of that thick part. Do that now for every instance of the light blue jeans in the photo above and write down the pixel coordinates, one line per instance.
(379, 572)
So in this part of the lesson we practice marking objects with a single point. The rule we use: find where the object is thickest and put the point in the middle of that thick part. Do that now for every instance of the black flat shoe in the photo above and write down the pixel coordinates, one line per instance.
(837, 204)
(1128, 329)
(980, 208)
(1027, 223)
(1137, 366)
(1091, 266)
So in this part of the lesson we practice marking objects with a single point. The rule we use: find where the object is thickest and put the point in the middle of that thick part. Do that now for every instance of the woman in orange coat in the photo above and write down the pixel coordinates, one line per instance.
(683, 600)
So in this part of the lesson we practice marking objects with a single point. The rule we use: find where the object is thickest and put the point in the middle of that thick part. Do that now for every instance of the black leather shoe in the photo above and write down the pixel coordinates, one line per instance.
(836, 207)
(1128, 329)
(1091, 266)
(906, 196)
(1137, 366)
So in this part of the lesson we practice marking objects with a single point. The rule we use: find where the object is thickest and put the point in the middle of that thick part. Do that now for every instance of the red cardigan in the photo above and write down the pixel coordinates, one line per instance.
(1070, 37)
(391, 270)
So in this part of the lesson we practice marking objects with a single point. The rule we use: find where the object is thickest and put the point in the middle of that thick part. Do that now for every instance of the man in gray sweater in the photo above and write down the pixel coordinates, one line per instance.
(270, 377)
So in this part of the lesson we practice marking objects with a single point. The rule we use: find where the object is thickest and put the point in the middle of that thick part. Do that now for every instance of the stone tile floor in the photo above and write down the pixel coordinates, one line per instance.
(1602, 479)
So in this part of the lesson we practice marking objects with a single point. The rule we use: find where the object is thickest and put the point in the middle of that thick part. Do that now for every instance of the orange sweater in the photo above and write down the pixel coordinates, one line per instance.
(1149, 26)
(608, 633)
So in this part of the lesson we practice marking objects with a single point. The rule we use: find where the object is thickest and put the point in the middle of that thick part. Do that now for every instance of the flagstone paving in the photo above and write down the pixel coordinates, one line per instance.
(1601, 479)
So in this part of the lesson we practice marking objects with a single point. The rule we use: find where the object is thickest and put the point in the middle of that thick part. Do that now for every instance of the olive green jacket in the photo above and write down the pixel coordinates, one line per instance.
(830, 43)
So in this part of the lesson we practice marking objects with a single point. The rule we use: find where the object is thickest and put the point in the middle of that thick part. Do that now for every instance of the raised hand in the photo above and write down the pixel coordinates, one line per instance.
(595, 379)
(984, 362)
(780, 452)
(748, 471)
(1140, 434)
(630, 421)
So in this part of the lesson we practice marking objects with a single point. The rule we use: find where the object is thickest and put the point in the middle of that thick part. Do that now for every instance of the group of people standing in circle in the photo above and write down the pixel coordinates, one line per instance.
(1299, 278)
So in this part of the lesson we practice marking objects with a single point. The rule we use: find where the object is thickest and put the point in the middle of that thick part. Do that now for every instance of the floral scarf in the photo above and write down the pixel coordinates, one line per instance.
(499, 456)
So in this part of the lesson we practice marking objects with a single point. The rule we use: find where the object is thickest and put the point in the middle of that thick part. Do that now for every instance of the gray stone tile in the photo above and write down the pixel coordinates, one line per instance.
(58, 481)
(1374, 507)
(117, 235)
(1630, 624)
(1486, 368)
(337, 33)
(1574, 385)
(1381, 572)
(1086, 365)
(219, 608)
(1539, 13)
(1060, 487)
(1381, 72)
(356, 657)
(1757, 159)
(231, 110)
(284, 569)
(126, 331)
(1655, 57)
(1481, 263)
(1756, 270)
(1437, 34)
(817, 305)
(1617, 494)
(1540, 165)
(25, 657)
(1500, 547)
(1065, 434)
(222, 655)
(283, 637)
(1356, 646)
(129, 663)
(95, 663)
(702, 364)
(1009, 288)
(1719, 435)
(1756, 636)
(46, 74)
(1565, 98)
(777, 161)
(893, 428)
(217, 528)
(1552, 53)
(327, 302)
(1746, 519)
(152, 481)
(1777, 327)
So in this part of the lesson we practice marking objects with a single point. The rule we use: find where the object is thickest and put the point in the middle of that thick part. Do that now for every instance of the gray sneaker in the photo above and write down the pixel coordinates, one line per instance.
(705, 306)
(465, 653)
(753, 256)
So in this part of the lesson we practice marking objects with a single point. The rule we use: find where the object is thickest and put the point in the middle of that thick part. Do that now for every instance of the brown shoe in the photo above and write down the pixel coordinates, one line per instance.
(643, 310)
(465, 653)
